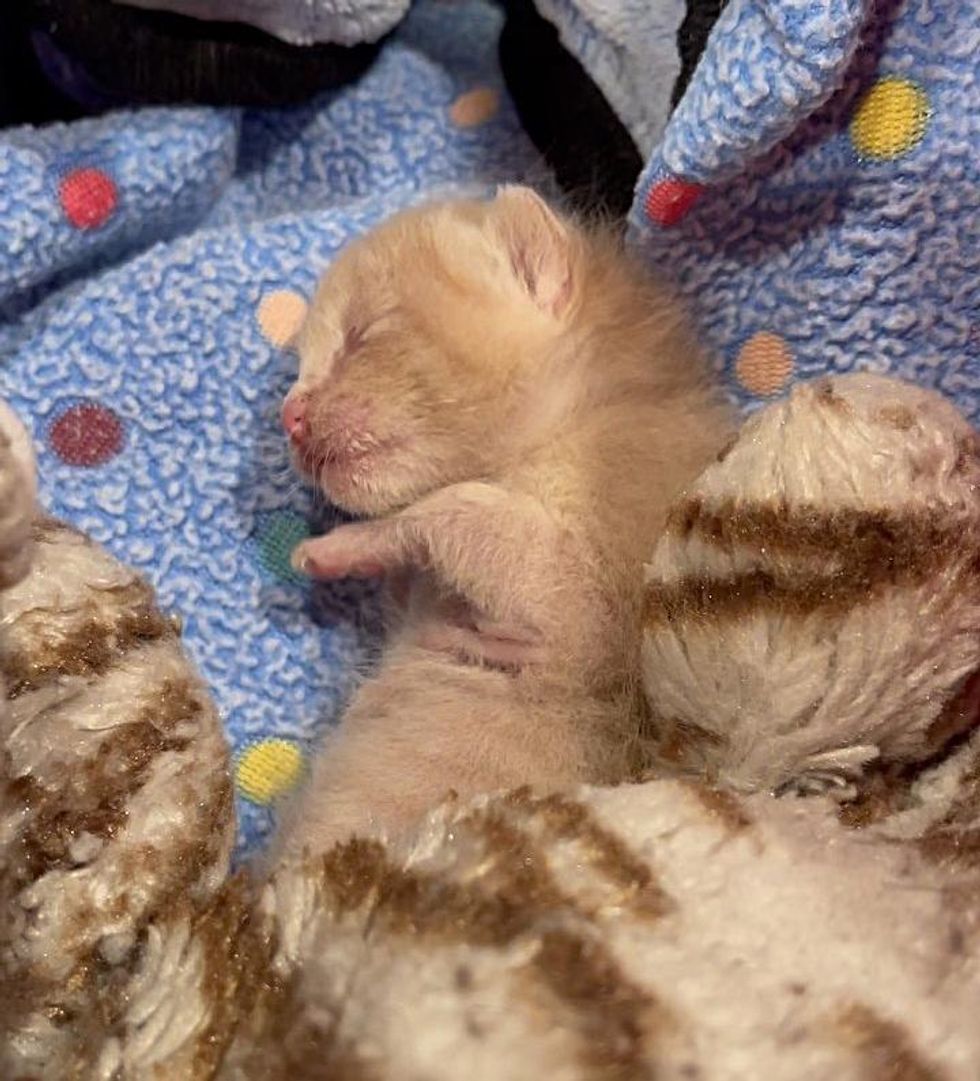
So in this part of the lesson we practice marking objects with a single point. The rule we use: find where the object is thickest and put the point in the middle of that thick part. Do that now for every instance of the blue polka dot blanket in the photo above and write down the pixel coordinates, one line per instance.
(814, 194)
(149, 262)
(816, 191)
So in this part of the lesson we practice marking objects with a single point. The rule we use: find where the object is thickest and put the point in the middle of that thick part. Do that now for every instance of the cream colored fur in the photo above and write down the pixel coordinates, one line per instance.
(514, 404)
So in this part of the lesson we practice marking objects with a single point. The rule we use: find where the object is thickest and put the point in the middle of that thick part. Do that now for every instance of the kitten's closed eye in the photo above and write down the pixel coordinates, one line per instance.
(354, 338)
(357, 330)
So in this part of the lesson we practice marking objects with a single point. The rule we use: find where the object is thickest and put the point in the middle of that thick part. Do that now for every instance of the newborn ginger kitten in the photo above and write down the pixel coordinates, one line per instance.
(511, 404)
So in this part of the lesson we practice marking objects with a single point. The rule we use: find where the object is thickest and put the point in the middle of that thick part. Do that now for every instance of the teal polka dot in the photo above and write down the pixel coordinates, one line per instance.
(276, 537)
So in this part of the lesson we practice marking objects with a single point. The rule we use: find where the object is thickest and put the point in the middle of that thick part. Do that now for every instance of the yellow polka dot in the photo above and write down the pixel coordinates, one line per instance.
(474, 107)
(268, 769)
(890, 119)
(281, 315)
(764, 364)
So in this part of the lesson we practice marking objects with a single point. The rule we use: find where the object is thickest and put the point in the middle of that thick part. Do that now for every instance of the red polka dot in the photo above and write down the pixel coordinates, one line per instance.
(670, 199)
(86, 434)
(88, 198)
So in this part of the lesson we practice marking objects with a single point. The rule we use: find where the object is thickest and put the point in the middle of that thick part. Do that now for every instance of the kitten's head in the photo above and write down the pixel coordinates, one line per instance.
(420, 339)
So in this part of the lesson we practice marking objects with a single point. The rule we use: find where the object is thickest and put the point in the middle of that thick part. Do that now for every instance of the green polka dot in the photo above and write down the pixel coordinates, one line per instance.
(276, 538)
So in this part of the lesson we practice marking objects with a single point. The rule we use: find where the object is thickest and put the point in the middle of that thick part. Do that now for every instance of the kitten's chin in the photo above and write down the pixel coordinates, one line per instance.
(357, 483)
(384, 479)
(362, 490)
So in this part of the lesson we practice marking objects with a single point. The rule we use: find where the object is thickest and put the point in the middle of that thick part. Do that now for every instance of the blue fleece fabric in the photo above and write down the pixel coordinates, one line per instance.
(815, 194)
(135, 250)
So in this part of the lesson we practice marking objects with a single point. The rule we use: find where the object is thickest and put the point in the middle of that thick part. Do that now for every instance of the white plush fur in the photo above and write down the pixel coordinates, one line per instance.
(761, 693)
(671, 929)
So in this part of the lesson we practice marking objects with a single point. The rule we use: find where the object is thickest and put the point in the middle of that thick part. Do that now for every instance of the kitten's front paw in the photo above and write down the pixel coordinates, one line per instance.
(360, 550)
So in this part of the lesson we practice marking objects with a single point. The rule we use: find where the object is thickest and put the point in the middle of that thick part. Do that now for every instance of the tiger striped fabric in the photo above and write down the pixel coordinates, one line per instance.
(814, 604)
(672, 929)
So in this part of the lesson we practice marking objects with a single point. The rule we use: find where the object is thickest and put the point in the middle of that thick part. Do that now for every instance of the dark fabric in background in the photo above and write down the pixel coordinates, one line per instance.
(138, 57)
(595, 160)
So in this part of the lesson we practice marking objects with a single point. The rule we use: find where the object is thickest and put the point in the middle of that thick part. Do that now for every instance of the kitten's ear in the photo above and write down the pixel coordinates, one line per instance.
(538, 245)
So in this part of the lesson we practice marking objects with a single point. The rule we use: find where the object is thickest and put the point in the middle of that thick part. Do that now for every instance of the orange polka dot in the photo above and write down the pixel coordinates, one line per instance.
(280, 316)
(764, 364)
(474, 107)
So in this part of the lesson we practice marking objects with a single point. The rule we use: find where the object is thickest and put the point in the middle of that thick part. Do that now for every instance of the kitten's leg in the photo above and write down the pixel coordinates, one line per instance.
(454, 626)
(503, 553)
(416, 730)
(357, 550)
(402, 749)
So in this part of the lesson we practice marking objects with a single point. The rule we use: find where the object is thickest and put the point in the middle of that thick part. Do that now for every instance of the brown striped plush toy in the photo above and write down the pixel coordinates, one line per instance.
(813, 607)
(793, 894)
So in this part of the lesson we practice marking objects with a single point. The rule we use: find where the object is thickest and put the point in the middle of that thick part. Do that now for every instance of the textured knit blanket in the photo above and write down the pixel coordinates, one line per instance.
(814, 193)
(148, 264)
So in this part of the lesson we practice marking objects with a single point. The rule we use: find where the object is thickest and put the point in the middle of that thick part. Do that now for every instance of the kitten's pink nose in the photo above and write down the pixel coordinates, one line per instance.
(294, 418)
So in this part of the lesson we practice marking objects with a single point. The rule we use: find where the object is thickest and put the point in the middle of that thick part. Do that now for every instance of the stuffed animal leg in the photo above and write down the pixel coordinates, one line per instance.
(17, 495)
(115, 803)
(814, 604)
